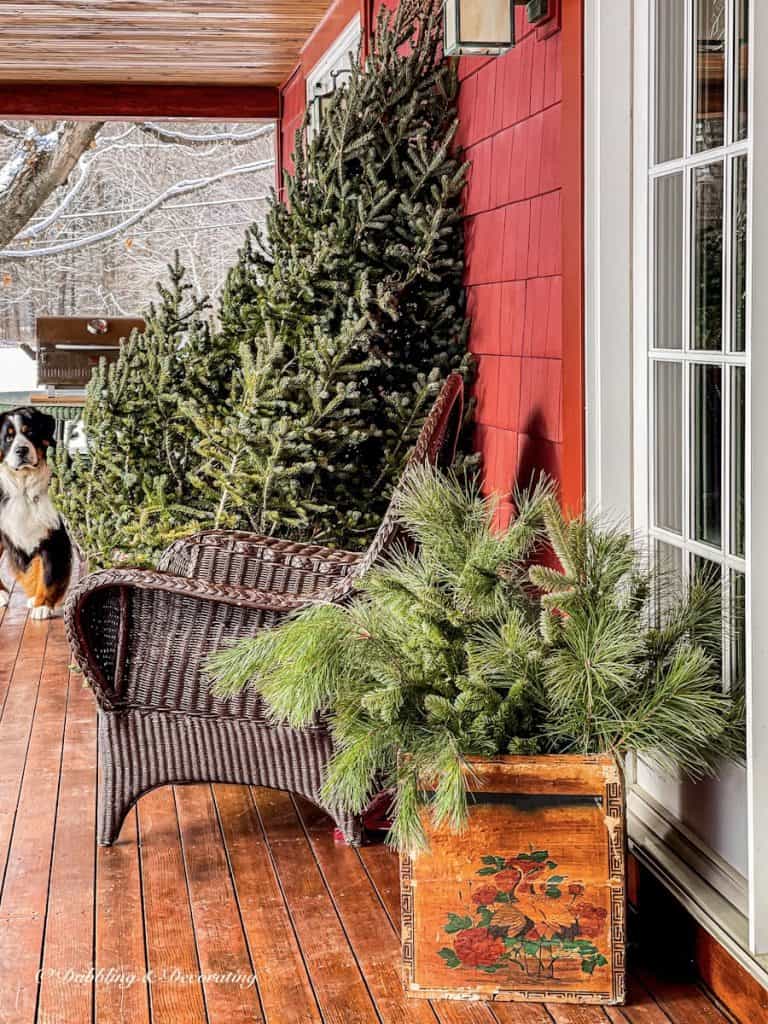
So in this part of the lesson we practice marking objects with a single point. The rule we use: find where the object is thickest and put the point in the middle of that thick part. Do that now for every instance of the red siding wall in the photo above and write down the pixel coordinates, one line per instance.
(510, 110)
(521, 127)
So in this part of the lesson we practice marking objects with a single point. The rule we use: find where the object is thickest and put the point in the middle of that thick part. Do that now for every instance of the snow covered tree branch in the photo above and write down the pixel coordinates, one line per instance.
(43, 161)
(182, 188)
(100, 240)
(39, 164)
(165, 134)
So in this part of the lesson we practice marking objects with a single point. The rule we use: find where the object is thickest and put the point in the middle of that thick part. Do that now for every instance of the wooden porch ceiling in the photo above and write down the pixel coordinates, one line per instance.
(183, 42)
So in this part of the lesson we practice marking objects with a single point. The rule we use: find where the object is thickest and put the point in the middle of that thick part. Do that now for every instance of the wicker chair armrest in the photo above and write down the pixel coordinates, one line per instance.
(267, 564)
(98, 628)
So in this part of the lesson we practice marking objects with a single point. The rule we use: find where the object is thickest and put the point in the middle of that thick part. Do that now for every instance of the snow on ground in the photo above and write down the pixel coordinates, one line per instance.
(17, 371)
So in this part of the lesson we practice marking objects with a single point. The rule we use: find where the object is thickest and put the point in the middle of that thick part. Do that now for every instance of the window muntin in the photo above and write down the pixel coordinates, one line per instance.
(698, 346)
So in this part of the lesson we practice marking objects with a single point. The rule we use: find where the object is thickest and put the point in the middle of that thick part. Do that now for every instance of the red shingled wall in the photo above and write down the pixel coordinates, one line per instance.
(510, 111)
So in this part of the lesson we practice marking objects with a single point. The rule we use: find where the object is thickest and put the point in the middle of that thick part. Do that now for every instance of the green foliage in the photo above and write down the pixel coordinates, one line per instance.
(335, 332)
(130, 493)
(464, 647)
(349, 312)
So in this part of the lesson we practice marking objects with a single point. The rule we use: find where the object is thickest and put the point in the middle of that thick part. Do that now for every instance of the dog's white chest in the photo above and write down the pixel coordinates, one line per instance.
(27, 515)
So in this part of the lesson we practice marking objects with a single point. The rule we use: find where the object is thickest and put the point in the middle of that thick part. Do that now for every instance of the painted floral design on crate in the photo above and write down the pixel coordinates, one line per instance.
(528, 918)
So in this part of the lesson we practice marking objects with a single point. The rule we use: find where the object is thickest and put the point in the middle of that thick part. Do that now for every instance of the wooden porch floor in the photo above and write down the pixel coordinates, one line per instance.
(215, 883)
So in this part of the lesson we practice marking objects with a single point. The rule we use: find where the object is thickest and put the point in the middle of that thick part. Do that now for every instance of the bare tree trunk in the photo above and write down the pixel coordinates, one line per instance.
(39, 164)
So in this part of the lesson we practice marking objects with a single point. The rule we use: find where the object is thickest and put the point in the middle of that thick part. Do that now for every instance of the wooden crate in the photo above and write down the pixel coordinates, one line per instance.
(529, 902)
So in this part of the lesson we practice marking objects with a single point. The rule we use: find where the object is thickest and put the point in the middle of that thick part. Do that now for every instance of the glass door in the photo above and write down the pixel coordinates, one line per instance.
(693, 373)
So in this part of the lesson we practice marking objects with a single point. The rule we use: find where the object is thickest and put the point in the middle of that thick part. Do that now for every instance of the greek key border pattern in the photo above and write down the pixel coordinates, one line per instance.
(614, 806)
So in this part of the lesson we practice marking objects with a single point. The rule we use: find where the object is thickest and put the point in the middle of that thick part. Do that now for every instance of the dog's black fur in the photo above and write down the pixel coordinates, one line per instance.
(31, 531)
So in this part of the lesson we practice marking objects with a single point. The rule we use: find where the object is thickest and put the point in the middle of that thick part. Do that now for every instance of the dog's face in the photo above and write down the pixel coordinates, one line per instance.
(25, 436)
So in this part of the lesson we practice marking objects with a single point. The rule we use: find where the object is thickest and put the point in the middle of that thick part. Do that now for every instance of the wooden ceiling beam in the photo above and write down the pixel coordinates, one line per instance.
(95, 102)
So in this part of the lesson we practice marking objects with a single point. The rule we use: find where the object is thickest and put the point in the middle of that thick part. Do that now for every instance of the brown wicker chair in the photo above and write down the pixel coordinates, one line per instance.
(142, 639)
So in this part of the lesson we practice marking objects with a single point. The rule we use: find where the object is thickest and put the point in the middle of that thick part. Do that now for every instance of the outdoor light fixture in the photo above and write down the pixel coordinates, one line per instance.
(479, 27)
(324, 94)
(486, 27)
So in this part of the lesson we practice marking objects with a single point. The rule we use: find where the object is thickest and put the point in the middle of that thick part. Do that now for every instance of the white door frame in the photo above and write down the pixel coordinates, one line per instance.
(616, 304)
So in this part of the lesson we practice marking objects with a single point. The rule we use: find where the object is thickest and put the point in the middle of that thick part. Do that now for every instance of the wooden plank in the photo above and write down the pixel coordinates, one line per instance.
(739, 991)
(229, 981)
(122, 101)
(13, 622)
(364, 921)
(284, 986)
(122, 992)
(171, 952)
(70, 915)
(16, 725)
(551, 774)
(25, 889)
(641, 1007)
(40, 40)
(339, 987)
(563, 1013)
(683, 1003)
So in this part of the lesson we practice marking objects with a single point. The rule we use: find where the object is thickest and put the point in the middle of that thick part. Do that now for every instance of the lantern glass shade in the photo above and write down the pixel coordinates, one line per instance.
(479, 27)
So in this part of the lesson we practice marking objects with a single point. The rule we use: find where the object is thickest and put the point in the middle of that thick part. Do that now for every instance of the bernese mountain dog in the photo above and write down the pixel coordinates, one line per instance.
(31, 531)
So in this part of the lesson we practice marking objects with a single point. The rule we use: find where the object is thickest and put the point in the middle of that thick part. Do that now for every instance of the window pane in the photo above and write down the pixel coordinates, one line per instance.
(708, 256)
(668, 566)
(709, 36)
(668, 438)
(711, 573)
(707, 453)
(737, 459)
(670, 80)
(741, 69)
(668, 254)
(669, 559)
(739, 243)
(738, 633)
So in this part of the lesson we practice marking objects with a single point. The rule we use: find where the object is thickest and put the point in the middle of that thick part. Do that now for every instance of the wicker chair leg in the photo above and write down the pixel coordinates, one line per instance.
(111, 818)
(350, 826)
(114, 802)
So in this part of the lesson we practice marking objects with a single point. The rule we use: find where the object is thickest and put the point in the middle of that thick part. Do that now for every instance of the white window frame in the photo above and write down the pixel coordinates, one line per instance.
(337, 57)
(617, 38)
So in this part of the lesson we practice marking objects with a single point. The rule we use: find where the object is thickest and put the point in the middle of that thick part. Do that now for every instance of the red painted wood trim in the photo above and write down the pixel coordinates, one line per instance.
(330, 28)
(369, 24)
(573, 481)
(56, 100)
(280, 143)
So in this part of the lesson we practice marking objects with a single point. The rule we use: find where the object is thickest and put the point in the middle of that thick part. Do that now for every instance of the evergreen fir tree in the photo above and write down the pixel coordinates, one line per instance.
(130, 494)
(296, 411)
(349, 313)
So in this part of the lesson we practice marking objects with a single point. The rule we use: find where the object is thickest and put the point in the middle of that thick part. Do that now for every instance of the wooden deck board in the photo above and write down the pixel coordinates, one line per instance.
(225, 962)
(203, 881)
(24, 899)
(121, 992)
(340, 988)
(172, 954)
(69, 925)
(286, 993)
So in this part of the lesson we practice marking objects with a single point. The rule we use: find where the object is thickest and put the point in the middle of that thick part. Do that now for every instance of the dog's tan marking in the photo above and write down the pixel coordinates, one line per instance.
(4, 594)
(32, 580)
